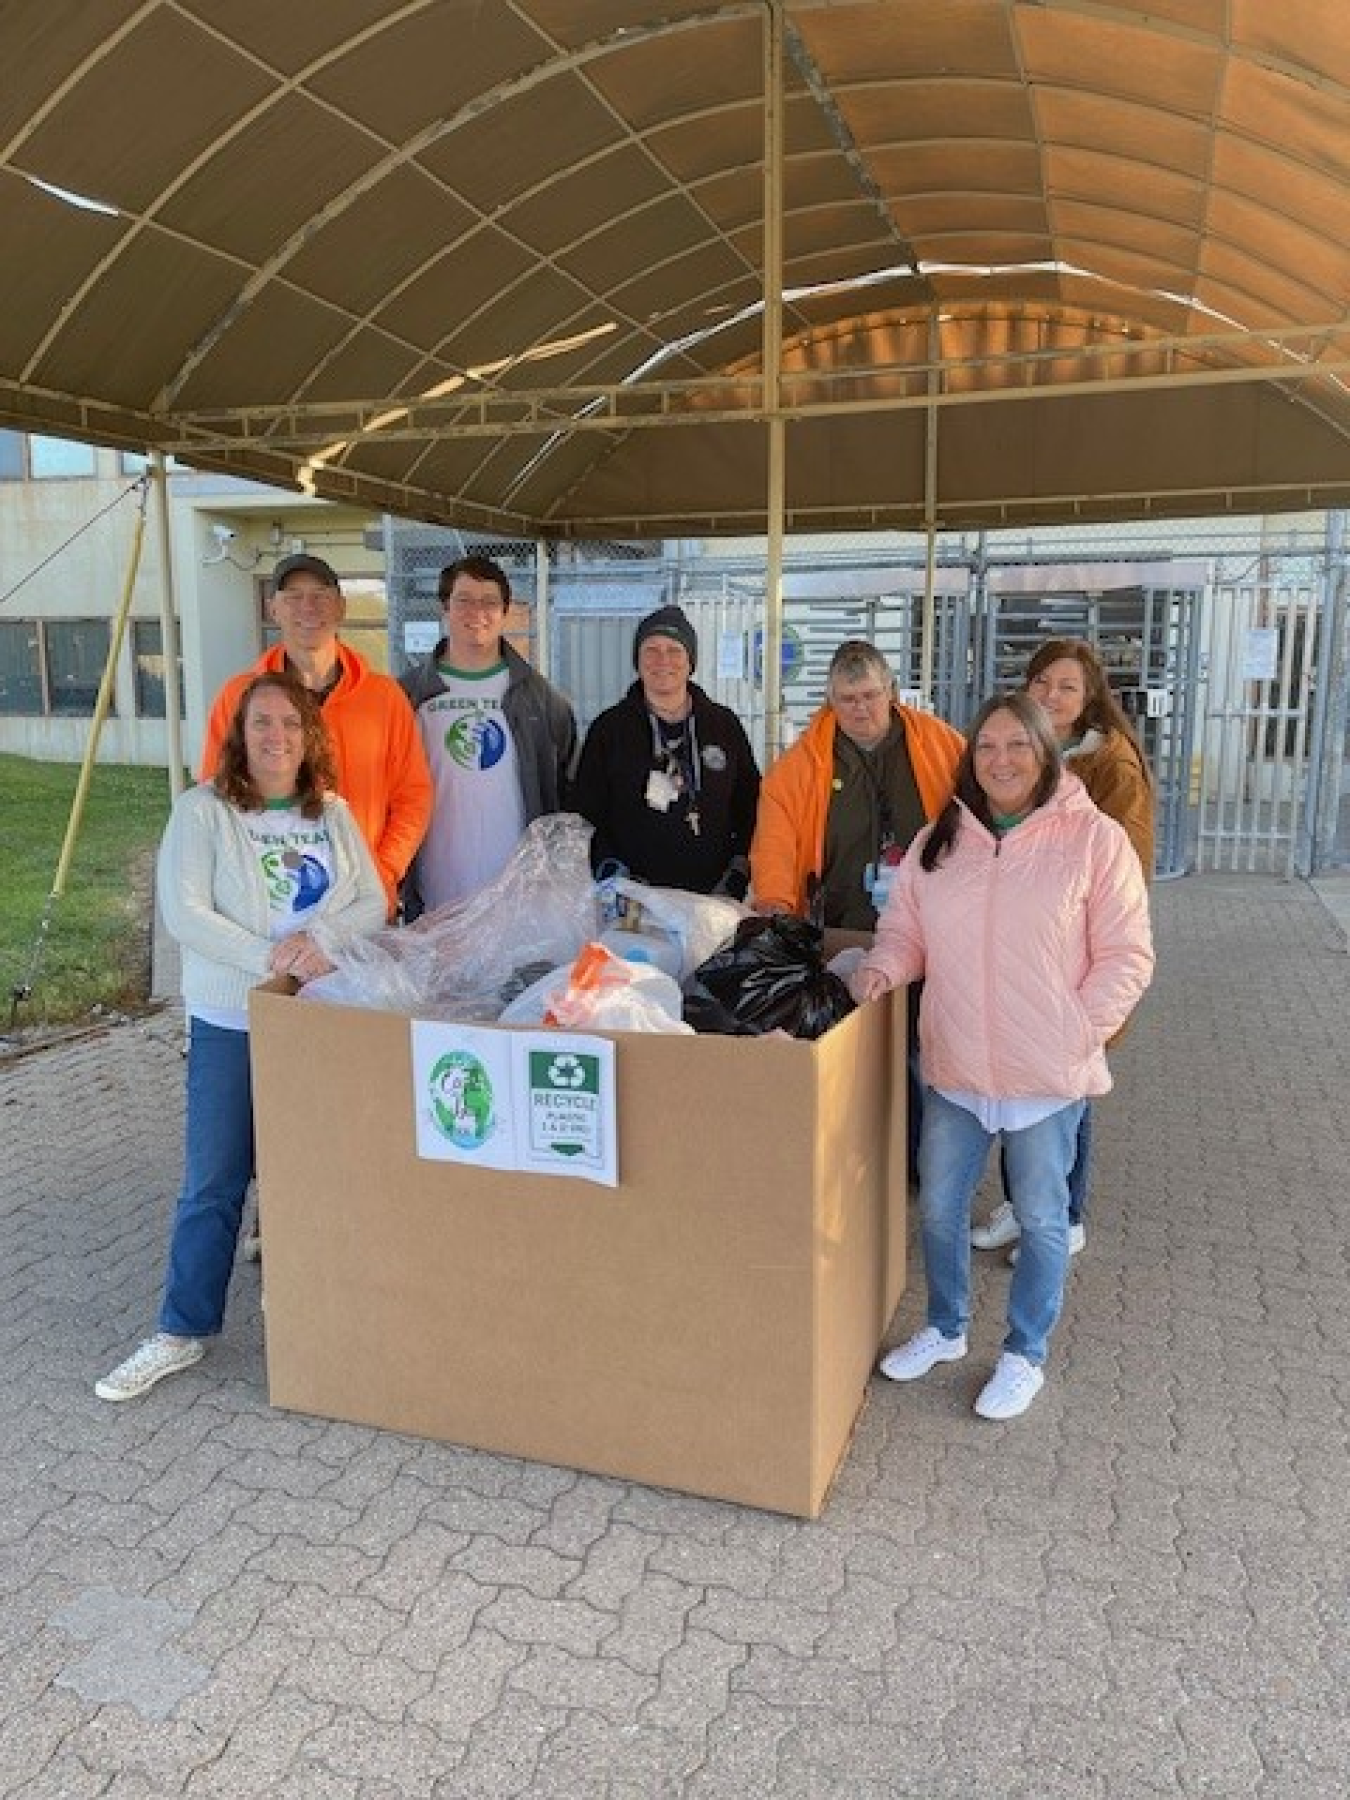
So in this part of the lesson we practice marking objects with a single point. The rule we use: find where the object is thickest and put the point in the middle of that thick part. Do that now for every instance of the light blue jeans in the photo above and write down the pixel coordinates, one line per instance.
(1080, 1172)
(219, 1169)
(953, 1150)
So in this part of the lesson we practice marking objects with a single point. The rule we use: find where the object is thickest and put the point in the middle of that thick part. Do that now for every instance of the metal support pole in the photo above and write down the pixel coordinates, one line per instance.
(1326, 751)
(168, 628)
(928, 632)
(775, 499)
(543, 611)
(102, 705)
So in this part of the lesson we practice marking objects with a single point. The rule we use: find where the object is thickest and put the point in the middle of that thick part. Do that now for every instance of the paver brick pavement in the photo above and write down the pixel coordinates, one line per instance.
(1139, 1589)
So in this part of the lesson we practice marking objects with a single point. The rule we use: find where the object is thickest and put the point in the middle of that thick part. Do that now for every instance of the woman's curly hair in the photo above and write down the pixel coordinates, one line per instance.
(317, 774)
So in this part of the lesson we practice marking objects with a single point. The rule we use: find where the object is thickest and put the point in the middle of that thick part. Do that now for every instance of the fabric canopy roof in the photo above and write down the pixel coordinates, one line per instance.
(516, 264)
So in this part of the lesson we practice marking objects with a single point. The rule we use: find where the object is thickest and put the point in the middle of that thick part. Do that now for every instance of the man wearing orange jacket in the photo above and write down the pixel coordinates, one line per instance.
(843, 803)
(382, 770)
(841, 806)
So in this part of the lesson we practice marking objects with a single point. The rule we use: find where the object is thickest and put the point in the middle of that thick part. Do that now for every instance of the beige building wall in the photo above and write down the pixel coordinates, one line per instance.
(66, 545)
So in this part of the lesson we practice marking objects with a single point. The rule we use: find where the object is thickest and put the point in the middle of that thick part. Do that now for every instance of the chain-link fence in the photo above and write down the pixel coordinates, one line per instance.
(1224, 639)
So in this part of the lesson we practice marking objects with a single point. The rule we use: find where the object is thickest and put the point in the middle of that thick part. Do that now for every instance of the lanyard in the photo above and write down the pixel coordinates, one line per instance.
(885, 820)
(679, 757)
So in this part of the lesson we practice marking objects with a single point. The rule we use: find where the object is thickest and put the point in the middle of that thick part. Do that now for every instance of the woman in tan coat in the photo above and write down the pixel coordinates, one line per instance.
(1097, 742)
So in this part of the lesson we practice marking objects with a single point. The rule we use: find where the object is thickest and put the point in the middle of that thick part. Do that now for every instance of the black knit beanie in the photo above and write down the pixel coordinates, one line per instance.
(669, 622)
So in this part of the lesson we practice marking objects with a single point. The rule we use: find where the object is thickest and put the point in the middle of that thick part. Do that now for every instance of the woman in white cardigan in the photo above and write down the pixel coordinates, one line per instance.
(258, 870)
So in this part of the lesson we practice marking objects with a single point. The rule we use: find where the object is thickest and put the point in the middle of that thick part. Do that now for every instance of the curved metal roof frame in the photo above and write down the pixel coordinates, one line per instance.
(547, 267)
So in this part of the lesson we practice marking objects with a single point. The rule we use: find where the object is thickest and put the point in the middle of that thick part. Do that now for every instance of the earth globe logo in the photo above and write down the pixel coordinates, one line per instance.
(476, 741)
(461, 1099)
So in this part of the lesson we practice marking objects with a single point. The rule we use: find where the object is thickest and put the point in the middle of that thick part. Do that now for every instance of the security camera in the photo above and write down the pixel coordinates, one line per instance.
(224, 534)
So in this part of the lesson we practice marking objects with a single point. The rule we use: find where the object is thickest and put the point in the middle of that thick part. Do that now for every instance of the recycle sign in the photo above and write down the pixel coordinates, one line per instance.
(565, 1110)
(565, 1071)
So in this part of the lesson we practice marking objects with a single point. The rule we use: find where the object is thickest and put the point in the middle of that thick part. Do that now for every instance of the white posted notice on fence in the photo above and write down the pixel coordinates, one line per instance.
(540, 1103)
(1260, 651)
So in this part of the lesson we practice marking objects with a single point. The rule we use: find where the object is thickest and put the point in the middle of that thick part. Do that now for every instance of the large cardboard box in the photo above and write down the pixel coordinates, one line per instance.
(709, 1324)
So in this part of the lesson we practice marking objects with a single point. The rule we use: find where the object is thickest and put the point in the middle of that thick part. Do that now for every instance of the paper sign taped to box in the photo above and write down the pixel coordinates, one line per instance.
(540, 1103)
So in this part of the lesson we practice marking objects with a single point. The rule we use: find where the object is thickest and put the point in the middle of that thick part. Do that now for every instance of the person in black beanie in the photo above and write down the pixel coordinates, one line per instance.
(667, 777)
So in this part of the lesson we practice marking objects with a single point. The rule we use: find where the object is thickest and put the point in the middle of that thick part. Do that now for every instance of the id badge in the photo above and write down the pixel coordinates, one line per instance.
(879, 876)
(662, 791)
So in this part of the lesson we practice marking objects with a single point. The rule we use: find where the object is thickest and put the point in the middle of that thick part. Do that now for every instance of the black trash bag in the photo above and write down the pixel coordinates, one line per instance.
(770, 977)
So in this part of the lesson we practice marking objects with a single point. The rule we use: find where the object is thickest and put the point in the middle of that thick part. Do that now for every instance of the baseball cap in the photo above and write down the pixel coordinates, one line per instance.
(305, 565)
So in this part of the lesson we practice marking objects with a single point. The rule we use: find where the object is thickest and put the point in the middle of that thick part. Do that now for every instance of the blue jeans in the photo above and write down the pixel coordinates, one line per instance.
(219, 1167)
(1078, 1174)
(953, 1150)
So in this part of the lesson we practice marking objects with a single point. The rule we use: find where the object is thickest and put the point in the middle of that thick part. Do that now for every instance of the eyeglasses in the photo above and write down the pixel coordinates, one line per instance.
(483, 609)
(868, 698)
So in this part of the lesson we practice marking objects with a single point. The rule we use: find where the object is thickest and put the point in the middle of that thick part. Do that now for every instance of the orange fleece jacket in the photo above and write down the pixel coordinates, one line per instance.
(382, 768)
(794, 799)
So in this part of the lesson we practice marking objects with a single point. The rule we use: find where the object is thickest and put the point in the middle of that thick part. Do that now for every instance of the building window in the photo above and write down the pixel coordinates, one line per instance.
(134, 462)
(51, 458)
(11, 456)
(20, 668)
(77, 650)
(147, 663)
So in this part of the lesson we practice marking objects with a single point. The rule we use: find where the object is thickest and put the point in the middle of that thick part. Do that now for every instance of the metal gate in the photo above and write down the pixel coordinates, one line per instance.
(1253, 774)
(592, 646)
(1238, 682)
(1143, 621)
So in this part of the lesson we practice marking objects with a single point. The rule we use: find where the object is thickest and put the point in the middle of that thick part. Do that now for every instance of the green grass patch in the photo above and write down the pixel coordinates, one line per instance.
(97, 951)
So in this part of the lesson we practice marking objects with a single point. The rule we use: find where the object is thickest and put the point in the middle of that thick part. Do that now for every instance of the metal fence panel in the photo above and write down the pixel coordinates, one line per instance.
(1213, 633)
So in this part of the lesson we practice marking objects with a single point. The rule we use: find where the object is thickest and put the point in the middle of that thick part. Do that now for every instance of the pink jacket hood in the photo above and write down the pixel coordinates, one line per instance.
(1034, 949)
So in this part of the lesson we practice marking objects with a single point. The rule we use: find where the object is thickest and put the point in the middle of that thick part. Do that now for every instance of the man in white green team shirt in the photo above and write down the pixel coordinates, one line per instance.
(500, 740)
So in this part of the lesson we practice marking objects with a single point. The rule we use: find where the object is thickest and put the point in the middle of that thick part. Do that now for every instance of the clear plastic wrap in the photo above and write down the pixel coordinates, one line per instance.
(467, 961)
(464, 961)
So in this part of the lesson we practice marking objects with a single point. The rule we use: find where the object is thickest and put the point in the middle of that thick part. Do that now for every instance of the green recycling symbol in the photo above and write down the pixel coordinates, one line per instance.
(565, 1071)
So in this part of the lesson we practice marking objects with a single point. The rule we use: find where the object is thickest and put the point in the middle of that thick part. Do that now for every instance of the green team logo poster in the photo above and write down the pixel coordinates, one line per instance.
(462, 1099)
(462, 1094)
(531, 1101)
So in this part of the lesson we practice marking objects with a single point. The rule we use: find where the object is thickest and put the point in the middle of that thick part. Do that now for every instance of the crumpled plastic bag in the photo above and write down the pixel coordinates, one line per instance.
(771, 977)
(698, 924)
(602, 991)
(387, 971)
(462, 960)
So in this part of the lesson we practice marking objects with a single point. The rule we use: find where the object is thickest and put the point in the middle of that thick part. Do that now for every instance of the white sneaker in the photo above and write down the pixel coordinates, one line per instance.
(157, 1357)
(921, 1353)
(1011, 1388)
(1077, 1242)
(999, 1228)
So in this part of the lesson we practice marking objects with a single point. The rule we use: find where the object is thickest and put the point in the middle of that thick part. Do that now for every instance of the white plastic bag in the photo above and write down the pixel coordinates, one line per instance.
(699, 923)
(604, 992)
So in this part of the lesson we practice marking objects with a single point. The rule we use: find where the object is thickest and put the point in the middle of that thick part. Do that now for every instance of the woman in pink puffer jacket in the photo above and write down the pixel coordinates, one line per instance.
(1024, 910)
